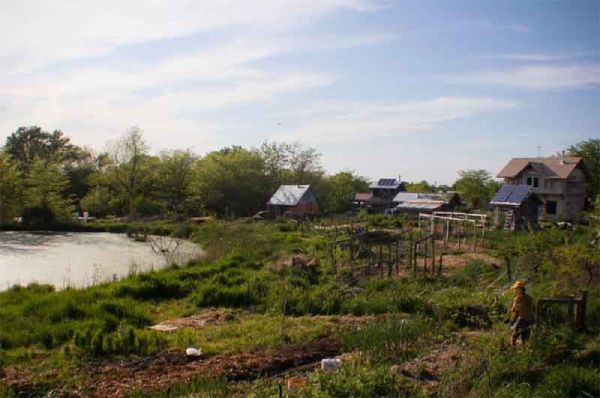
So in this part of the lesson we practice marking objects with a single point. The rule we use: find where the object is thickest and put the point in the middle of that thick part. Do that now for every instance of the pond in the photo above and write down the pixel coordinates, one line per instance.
(80, 259)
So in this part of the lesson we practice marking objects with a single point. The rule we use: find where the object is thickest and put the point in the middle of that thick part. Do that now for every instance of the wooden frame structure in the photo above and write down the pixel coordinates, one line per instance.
(576, 308)
(447, 224)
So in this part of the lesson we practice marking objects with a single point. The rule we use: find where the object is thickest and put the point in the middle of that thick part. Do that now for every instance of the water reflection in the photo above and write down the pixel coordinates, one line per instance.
(65, 259)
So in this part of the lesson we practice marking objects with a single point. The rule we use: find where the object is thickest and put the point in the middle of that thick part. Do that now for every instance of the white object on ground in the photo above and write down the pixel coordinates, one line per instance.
(193, 352)
(331, 363)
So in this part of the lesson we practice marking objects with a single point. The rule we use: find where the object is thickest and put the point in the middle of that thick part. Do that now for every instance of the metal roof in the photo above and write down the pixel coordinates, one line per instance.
(288, 195)
(445, 197)
(429, 205)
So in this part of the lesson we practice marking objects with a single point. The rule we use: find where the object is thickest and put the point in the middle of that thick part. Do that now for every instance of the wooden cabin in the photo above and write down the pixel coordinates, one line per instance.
(518, 205)
(293, 200)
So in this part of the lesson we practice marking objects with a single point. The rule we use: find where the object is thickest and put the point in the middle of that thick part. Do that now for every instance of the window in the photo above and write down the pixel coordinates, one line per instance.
(551, 207)
(533, 181)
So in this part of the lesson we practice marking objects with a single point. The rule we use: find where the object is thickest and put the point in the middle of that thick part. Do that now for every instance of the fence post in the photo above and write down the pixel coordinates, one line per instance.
(580, 311)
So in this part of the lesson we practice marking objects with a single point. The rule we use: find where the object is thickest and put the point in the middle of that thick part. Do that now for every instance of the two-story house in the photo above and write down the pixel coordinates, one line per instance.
(558, 181)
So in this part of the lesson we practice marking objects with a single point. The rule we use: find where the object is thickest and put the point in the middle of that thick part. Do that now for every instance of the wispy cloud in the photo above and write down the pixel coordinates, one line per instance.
(538, 77)
(37, 32)
(91, 99)
(541, 57)
(344, 122)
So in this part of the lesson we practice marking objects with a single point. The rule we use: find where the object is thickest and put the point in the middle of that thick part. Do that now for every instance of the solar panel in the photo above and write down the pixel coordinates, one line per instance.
(519, 194)
(503, 194)
(386, 182)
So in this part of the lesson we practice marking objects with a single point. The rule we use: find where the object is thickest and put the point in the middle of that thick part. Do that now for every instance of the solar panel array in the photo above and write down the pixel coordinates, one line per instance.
(387, 182)
(503, 193)
(519, 194)
(514, 194)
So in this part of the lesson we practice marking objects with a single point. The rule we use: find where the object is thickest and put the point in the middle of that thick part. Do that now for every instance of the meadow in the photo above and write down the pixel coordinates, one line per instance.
(400, 336)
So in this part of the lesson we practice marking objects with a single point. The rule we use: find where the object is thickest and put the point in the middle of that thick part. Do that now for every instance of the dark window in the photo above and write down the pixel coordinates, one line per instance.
(533, 181)
(551, 207)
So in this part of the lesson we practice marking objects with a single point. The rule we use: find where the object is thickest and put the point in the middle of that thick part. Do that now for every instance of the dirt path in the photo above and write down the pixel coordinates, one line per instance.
(158, 372)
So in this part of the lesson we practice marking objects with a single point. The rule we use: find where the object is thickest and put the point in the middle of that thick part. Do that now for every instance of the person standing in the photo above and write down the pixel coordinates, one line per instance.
(521, 314)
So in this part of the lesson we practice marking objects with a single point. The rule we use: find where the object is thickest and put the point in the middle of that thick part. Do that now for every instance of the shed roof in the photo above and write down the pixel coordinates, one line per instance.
(421, 205)
(288, 195)
(444, 197)
(552, 167)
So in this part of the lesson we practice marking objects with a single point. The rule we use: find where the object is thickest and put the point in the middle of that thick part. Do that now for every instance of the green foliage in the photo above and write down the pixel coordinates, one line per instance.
(231, 181)
(589, 150)
(10, 188)
(391, 339)
(43, 199)
(338, 195)
(476, 187)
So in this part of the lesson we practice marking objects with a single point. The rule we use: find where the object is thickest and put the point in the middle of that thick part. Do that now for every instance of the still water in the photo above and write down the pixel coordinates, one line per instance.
(80, 259)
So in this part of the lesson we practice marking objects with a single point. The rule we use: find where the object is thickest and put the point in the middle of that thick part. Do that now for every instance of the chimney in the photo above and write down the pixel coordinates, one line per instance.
(562, 157)
(399, 178)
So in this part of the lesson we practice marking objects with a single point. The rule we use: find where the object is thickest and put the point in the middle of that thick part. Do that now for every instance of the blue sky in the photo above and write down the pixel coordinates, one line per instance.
(419, 89)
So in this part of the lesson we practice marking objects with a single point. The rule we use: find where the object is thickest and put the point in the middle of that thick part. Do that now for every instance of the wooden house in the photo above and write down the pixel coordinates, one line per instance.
(380, 196)
(558, 181)
(518, 205)
(293, 200)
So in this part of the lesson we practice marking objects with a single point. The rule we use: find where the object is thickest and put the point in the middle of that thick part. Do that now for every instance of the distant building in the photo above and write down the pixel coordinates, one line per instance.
(296, 200)
(413, 202)
(518, 205)
(558, 181)
(380, 195)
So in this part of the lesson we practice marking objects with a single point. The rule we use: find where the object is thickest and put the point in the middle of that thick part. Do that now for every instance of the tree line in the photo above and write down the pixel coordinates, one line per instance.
(45, 178)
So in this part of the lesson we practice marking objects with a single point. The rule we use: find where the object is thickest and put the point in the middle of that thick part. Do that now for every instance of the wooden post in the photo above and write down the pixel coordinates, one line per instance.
(580, 311)
(508, 268)
(433, 255)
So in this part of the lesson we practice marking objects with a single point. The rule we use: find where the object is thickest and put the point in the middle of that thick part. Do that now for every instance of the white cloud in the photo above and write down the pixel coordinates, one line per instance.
(539, 77)
(35, 32)
(92, 101)
(342, 122)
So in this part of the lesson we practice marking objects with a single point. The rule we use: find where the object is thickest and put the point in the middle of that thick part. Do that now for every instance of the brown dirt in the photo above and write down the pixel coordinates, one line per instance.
(211, 316)
(427, 370)
(160, 371)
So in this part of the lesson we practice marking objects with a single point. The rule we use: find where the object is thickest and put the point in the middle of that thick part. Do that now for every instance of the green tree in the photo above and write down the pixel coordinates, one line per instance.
(10, 191)
(175, 174)
(422, 186)
(232, 181)
(338, 192)
(127, 173)
(590, 152)
(43, 194)
(291, 163)
(475, 187)
(28, 144)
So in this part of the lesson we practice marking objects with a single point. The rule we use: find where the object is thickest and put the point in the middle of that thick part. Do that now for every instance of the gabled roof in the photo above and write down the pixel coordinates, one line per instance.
(288, 195)
(552, 167)
(513, 195)
(386, 183)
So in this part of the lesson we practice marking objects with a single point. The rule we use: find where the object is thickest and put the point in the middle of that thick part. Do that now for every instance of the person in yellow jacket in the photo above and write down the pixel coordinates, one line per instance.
(521, 314)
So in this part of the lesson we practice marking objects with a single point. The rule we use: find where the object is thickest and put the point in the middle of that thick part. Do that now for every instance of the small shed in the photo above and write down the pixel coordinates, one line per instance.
(296, 200)
(519, 205)
(417, 202)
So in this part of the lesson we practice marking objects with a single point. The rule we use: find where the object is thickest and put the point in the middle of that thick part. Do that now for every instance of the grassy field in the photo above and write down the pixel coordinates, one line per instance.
(399, 336)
